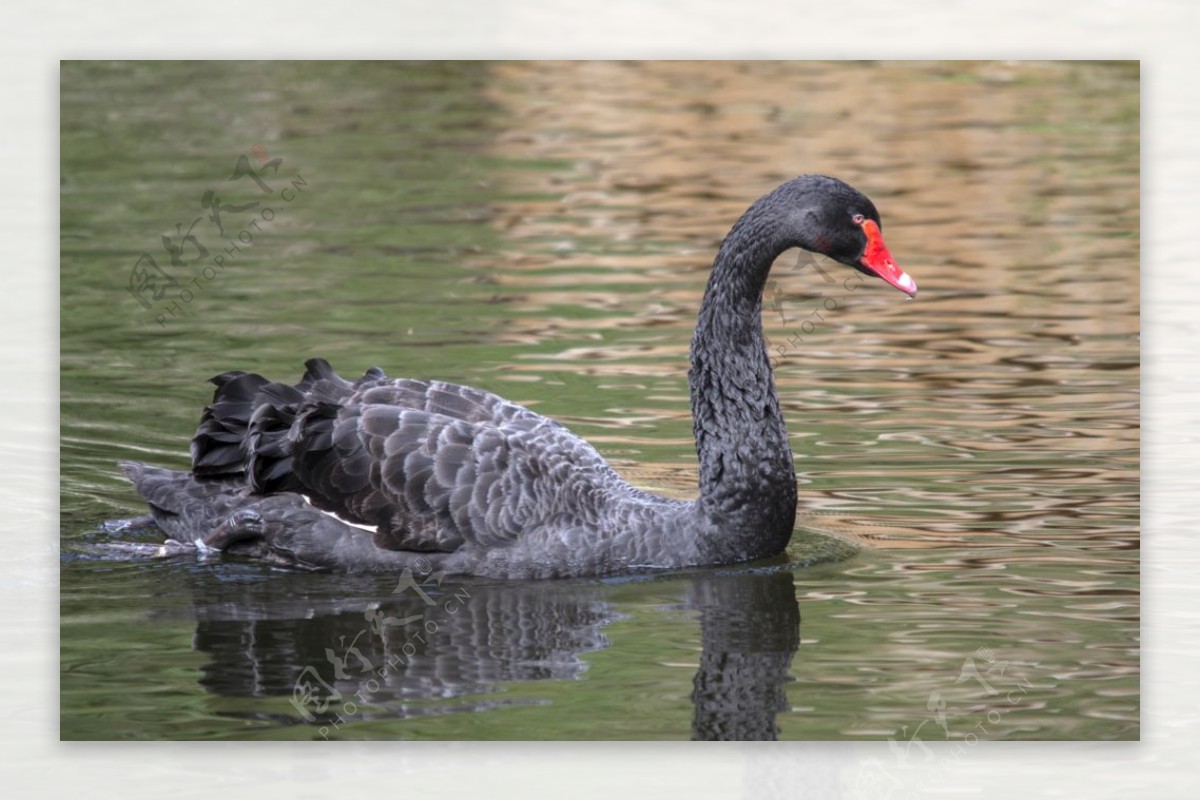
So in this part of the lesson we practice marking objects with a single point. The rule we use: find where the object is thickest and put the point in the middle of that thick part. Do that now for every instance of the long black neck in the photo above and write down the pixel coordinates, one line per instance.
(747, 479)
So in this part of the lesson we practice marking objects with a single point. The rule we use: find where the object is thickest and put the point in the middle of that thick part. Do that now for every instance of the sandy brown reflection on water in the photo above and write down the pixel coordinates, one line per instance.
(1001, 405)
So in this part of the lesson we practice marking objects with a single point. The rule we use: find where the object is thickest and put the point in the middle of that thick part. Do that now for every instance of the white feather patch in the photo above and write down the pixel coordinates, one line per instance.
(341, 520)
(203, 549)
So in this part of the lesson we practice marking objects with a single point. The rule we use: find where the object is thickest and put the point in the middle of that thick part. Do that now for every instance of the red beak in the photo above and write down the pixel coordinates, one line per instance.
(878, 259)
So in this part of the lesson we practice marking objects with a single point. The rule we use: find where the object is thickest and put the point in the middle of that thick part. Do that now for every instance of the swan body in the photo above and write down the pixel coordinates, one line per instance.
(381, 474)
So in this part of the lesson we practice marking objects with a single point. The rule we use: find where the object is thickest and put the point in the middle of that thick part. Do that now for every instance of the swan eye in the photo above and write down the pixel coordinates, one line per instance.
(859, 219)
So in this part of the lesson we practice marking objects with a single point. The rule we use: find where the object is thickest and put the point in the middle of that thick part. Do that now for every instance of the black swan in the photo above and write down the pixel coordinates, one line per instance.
(385, 474)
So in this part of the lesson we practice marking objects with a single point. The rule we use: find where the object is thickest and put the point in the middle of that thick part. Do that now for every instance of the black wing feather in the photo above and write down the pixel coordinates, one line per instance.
(432, 465)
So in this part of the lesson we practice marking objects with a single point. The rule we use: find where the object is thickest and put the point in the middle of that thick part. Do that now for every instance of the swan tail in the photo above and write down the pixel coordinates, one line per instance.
(183, 507)
(207, 516)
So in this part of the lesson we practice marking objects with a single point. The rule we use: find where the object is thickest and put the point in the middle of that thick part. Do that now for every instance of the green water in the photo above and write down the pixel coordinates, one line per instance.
(966, 557)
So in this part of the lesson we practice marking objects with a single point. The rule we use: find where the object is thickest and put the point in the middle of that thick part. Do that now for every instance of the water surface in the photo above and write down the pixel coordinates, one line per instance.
(966, 554)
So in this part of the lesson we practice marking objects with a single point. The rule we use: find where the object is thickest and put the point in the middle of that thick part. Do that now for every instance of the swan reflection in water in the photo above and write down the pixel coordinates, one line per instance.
(435, 647)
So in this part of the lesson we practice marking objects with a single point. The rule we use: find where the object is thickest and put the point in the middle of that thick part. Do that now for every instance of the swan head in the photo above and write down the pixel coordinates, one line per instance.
(830, 217)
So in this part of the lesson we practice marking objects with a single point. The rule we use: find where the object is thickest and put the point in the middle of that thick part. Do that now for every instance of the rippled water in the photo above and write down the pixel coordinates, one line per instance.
(965, 562)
